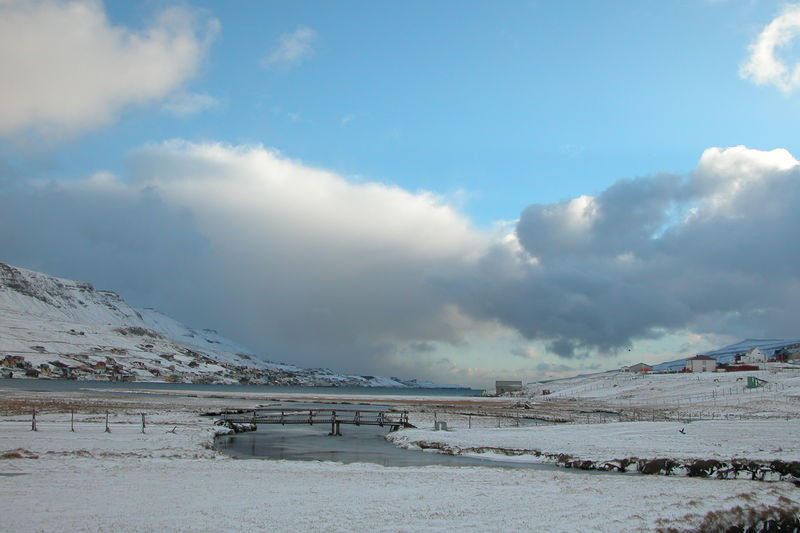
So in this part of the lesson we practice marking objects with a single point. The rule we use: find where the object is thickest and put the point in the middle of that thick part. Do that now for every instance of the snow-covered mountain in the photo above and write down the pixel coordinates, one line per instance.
(53, 327)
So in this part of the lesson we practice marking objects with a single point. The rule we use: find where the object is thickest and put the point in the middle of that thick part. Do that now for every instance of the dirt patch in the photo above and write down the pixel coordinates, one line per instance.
(19, 453)
(738, 519)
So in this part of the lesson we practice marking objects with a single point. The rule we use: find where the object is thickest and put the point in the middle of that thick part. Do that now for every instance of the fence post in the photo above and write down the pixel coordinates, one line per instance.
(108, 430)
(33, 421)
(72, 420)
(143, 423)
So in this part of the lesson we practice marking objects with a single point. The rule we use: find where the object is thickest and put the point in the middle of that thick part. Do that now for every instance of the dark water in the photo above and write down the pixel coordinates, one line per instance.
(358, 444)
(57, 385)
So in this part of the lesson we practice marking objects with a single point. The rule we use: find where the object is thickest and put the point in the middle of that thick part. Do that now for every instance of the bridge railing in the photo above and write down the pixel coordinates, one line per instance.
(275, 415)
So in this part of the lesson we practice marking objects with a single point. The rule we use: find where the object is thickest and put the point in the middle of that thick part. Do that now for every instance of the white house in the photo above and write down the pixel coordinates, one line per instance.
(754, 355)
(701, 363)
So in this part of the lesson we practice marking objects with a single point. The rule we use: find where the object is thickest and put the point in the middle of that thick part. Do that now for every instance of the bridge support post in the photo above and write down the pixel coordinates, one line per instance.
(335, 426)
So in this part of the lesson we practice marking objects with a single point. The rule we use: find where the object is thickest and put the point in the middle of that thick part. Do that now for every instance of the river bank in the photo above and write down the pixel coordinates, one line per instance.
(170, 478)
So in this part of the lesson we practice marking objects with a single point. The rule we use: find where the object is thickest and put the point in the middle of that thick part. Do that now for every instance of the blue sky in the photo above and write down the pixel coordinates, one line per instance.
(510, 105)
(494, 109)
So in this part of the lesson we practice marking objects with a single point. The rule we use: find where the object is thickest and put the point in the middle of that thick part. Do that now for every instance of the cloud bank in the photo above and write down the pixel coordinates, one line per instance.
(296, 261)
(713, 251)
(307, 266)
(66, 68)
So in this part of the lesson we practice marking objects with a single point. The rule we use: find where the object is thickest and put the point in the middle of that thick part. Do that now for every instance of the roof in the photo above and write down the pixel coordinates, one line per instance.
(701, 358)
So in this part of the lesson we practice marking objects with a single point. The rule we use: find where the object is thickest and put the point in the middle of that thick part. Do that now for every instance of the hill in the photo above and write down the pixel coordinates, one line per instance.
(60, 328)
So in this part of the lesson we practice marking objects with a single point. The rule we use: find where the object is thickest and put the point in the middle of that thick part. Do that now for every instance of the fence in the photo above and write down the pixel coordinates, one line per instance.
(36, 420)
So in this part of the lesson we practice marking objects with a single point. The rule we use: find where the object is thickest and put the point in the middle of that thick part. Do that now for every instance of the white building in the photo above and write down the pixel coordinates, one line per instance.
(701, 363)
(753, 355)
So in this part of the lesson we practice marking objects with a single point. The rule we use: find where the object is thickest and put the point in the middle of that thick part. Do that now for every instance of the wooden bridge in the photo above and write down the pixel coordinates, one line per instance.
(335, 417)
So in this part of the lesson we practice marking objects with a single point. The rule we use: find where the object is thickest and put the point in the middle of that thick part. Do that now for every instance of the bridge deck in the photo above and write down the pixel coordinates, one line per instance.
(335, 417)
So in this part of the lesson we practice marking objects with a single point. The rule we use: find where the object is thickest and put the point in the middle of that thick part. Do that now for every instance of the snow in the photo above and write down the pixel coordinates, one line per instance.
(685, 395)
(169, 480)
(764, 440)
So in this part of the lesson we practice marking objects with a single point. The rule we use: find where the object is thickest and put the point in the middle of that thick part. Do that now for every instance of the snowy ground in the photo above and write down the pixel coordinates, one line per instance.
(702, 394)
(168, 479)
(763, 440)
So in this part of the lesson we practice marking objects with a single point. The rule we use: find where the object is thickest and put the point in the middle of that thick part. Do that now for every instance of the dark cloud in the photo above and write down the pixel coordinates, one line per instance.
(422, 347)
(295, 262)
(712, 251)
(304, 266)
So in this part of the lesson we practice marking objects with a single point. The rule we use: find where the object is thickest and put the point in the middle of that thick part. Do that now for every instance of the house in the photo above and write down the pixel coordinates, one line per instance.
(13, 361)
(754, 355)
(701, 363)
(502, 387)
(638, 367)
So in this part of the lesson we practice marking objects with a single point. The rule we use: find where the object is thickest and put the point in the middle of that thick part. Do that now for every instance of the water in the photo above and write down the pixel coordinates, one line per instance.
(297, 442)
(58, 385)
(358, 444)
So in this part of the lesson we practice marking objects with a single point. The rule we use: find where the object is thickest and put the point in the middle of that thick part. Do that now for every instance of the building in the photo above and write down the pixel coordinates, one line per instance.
(502, 387)
(638, 367)
(753, 355)
(701, 363)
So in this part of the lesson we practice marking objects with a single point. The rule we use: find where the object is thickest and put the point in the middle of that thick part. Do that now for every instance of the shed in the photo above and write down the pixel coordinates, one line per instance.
(502, 387)
(638, 367)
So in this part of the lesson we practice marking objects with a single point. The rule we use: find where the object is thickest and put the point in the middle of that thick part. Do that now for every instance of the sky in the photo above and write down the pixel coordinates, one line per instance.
(452, 191)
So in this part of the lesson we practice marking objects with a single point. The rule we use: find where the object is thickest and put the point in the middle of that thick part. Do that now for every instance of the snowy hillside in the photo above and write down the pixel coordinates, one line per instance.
(59, 328)
(686, 395)
(727, 354)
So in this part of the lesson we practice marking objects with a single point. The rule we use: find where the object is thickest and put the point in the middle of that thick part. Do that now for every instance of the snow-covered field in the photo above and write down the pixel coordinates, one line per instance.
(762, 440)
(169, 479)
(703, 392)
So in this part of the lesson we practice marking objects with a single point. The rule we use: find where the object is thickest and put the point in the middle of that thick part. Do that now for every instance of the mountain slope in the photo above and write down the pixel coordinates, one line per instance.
(53, 327)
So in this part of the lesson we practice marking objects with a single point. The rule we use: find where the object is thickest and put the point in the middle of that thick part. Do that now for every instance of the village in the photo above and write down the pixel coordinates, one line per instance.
(750, 355)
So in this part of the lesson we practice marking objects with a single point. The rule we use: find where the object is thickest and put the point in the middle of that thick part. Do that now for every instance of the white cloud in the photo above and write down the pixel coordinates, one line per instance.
(186, 104)
(764, 66)
(292, 48)
(295, 261)
(66, 68)
(347, 119)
